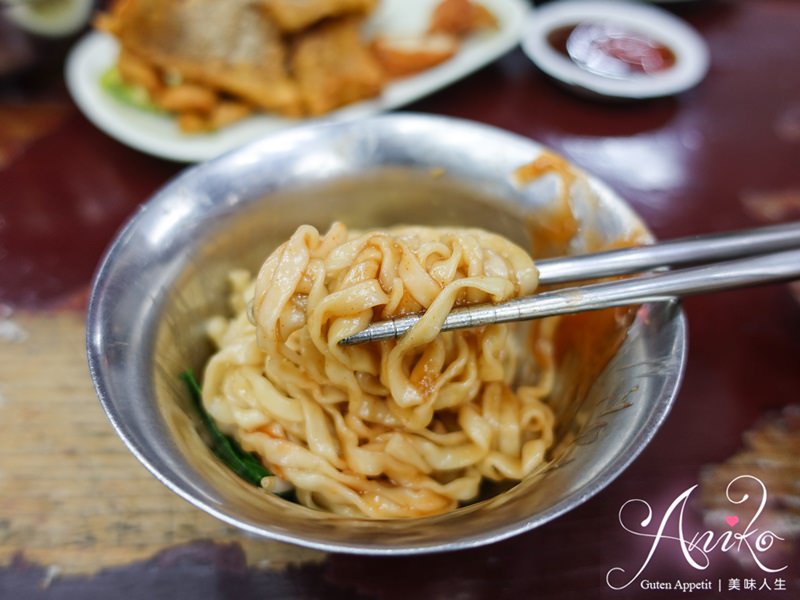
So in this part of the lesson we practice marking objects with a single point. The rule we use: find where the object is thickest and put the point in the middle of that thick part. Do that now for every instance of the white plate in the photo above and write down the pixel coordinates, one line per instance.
(691, 53)
(159, 134)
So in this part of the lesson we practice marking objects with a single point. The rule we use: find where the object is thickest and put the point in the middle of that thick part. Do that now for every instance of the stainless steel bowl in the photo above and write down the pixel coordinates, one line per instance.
(165, 274)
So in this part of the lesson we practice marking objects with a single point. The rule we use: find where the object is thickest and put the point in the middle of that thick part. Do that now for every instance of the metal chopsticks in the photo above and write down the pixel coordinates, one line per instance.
(762, 255)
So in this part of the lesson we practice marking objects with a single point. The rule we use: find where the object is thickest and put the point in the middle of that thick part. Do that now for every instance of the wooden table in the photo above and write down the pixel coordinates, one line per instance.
(79, 517)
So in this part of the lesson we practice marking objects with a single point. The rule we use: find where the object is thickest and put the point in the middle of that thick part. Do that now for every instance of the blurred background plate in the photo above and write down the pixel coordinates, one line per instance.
(159, 134)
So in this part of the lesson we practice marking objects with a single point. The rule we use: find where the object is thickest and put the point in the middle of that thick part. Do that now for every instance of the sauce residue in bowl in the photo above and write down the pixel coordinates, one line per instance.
(611, 50)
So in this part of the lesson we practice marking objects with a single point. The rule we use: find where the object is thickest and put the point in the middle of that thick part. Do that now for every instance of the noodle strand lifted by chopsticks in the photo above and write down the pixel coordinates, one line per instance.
(399, 428)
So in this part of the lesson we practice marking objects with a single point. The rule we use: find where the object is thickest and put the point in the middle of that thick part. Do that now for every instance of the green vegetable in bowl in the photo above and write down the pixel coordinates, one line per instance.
(245, 464)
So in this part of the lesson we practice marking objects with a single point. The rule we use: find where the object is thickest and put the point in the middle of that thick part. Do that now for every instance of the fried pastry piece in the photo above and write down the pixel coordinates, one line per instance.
(224, 113)
(461, 17)
(294, 15)
(228, 112)
(333, 67)
(187, 97)
(404, 56)
(135, 71)
(231, 46)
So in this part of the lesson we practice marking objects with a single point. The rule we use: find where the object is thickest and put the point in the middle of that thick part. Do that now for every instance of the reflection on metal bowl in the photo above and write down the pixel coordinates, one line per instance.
(165, 275)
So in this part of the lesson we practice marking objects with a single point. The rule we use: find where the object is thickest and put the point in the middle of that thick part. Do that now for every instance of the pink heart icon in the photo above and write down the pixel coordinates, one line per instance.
(732, 520)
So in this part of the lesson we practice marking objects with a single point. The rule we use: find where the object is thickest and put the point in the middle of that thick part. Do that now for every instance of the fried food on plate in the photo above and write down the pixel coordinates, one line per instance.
(222, 114)
(231, 46)
(139, 72)
(402, 56)
(212, 63)
(294, 15)
(451, 21)
(461, 17)
(187, 97)
(227, 112)
(333, 67)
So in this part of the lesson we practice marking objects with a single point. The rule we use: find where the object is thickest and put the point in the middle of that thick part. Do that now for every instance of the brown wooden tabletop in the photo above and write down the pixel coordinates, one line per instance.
(80, 518)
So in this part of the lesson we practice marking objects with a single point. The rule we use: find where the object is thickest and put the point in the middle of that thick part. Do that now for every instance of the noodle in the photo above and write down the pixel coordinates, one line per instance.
(399, 428)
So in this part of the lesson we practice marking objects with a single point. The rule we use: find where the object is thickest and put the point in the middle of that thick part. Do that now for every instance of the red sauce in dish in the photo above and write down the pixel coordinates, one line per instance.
(610, 49)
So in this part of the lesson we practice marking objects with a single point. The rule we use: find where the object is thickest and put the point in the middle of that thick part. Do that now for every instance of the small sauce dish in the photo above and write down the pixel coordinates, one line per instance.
(615, 49)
